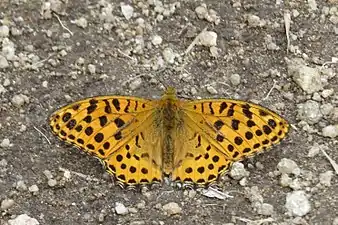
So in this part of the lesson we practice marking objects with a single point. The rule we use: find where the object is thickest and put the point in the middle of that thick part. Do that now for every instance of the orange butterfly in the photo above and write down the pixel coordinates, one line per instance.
(194, 142)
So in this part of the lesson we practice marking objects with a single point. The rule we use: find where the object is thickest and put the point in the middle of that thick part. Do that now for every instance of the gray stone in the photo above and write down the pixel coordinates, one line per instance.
(297, 203)
(330, 131)
(309, 112)
(306, 77)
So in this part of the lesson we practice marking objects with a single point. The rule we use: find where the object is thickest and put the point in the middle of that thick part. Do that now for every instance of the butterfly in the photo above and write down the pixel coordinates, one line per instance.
(140, 141)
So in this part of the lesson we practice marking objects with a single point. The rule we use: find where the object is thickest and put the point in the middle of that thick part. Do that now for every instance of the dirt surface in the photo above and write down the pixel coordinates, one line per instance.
(58, 52)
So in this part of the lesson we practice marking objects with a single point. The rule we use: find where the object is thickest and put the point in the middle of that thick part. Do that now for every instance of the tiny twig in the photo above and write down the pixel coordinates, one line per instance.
(254, 222)
(287, 22)
(43, 60)
(273, 86)
(42, 135)
(63, 26)
(194, 42)
(333, 163)
(84, 176)
(125, 55)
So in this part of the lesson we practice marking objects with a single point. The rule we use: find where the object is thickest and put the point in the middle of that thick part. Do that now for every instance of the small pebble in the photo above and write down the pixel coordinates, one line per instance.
(238, 171)
(314, 150)
(20, 185)
(335, 221)
(309, 79)
(136, 83)
(330, 131)
(23, 219)
(172, 208)
(168, 55)
(120, 209)
(309, 112)
(255, 21)
(52, 183)
(4, 31)
(6, 204)
(288, 166)
(34, 189)
(325, 178)
(156, 40)
(91, 68)
(212, 90)
(48, 174)
(3, 62)
(19, 100)
(45, 84)
(82, 22)
(5, 143)
(235, 79)
(297, 203)
(208, 38)
(127, 11)
(265, 209)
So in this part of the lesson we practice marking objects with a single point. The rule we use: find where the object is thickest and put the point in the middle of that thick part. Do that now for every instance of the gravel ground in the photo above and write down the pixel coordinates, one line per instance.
(282, 55)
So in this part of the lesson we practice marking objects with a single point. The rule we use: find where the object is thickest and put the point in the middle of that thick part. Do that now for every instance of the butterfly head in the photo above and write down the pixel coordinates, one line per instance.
(169, 94)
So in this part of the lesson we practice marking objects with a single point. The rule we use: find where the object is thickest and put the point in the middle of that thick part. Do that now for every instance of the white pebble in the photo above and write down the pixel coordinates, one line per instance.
(34, 188)
(285, 180)
(297, 203)
(168, 55)
(214, 51)
(309, 79)
(23, 219)
(238, 171)
(136, 83)
(255, 21)
(8, 49)
(127, 11)
(156, 40)
(2, 88)
(4, 31)
(120, 209)
(3, 62)
(265, 209)
(325, 178)
(48, 174)
(5, 143)
(82, 22)
(327, 92)
(309, 112)
(19, 100)
(20, 185)
(52, 183)
(91, 69)
(7, 82)
(172, 208)
(212, 90)
(314, 150)
(6, 204)
(235, 79)
(330, 131)
(45, 84)
(208, 38)
(201, 11)
(288, 166)
(335, 221)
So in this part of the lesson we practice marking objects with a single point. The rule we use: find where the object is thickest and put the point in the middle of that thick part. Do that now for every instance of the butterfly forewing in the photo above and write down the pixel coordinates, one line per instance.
(112, 129)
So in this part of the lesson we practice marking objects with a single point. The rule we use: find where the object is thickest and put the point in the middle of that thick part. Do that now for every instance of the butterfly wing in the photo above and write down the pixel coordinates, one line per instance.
(111, 128)
(220, 132)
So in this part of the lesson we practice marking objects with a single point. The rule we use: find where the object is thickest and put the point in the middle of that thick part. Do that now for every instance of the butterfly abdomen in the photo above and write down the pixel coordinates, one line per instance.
(170, 121)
